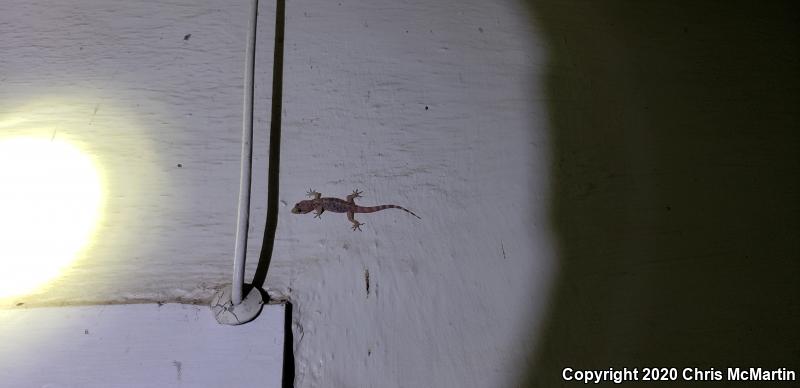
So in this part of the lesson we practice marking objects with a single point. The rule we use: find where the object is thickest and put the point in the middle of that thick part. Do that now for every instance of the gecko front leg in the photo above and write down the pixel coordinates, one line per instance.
(356, 224)
(313, 194)
(318, 212)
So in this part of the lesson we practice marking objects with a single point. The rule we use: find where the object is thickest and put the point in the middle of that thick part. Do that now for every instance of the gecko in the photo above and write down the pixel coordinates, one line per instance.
(319, 204)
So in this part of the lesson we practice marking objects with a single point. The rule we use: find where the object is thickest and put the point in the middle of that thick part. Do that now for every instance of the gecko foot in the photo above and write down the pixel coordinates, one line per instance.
(313, 193)
(352, 197)
(357, 226)
(318, 213)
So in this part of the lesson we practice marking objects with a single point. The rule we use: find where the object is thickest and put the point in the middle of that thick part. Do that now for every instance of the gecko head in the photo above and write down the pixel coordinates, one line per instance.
(303, 207)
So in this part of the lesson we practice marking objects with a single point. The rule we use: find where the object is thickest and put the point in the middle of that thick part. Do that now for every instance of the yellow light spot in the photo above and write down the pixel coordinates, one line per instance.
(50, 200)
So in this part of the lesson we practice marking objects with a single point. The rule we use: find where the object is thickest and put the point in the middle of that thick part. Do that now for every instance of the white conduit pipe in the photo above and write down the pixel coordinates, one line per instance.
(243, 213)
(228, 305)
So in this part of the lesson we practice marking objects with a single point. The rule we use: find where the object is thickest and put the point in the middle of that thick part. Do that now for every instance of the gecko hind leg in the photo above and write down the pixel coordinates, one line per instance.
(356, 224)
(318, 212)
(356, 194)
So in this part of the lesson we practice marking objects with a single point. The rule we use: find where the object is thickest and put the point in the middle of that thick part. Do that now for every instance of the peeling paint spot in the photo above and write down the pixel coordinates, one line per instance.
(366, 281)
(179, 368)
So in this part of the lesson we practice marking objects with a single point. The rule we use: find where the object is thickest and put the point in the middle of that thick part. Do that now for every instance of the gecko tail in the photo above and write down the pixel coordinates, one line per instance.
(406, 210)
(382, 207)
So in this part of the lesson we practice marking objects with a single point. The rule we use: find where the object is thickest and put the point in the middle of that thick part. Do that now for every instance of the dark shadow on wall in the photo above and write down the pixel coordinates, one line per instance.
(675, 185)
(273, 172)
(287, 379)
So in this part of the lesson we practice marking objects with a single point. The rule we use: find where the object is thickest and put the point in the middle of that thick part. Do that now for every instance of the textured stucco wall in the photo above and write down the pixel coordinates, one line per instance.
(426, 105)
(124, 83)
(600, 184)
(433, 106)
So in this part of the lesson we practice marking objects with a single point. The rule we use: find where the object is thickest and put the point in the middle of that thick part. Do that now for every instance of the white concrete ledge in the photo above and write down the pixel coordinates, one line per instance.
(143, 345)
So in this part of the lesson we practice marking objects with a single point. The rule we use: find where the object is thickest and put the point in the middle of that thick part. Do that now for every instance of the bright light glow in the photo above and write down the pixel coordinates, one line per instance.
(50, 200)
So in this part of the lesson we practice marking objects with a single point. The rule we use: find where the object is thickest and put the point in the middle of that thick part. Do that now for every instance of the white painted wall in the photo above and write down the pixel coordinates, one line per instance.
(118, 79)
(430, 105)
(139, 345)
(667, 131)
